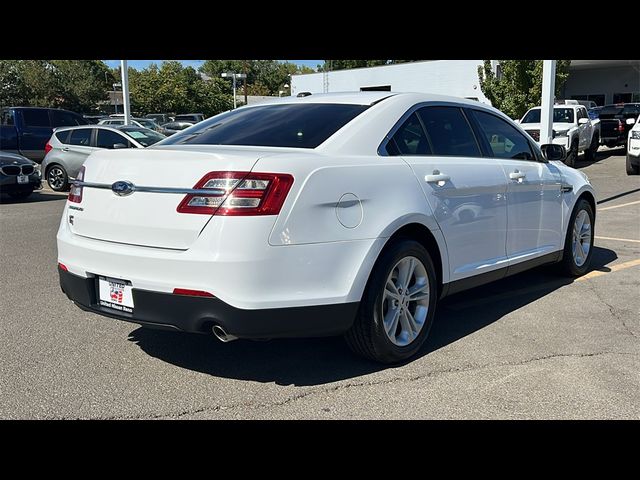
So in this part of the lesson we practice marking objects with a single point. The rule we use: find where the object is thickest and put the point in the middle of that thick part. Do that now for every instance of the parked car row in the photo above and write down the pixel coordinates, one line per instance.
(68, 148)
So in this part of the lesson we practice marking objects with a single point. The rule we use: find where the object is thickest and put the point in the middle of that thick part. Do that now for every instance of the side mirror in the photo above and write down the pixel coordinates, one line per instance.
(630, 121)
(582, 121)
(119, 145)
(553, 152)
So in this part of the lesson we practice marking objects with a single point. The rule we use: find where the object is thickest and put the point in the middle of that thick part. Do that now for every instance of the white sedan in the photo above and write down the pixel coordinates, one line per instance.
(330, 214)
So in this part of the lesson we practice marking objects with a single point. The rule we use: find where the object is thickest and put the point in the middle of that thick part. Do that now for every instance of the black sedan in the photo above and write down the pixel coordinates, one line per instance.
(19, 176)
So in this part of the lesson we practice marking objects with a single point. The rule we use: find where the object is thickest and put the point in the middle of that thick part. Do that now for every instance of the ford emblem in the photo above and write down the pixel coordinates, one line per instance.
(123, 188)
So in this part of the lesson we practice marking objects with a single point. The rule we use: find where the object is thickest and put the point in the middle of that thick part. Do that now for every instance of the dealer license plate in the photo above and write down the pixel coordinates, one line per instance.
(23, 179)
(116, 294)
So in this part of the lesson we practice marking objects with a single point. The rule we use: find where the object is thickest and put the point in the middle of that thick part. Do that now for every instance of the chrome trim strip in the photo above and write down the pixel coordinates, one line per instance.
(217, 192)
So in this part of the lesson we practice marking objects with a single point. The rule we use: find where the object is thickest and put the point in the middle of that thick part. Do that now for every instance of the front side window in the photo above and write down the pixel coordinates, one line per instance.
(107, 139)
(36, 118)
(304, 125)
(504, 139)
(81, 137)
(560, 115)
(449, 132)
(410, 139)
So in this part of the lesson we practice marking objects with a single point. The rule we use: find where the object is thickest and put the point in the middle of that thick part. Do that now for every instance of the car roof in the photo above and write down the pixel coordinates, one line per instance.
(101, 127)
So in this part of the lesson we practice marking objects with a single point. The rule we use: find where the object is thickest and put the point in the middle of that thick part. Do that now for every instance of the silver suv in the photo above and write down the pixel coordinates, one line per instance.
(68, 148)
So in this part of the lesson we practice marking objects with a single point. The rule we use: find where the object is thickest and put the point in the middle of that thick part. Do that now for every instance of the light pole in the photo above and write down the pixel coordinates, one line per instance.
(125, 92)
(115, 96)
(233, 76)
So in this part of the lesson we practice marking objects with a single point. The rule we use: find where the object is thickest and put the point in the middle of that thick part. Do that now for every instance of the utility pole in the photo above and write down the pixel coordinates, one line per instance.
(548, 91)
(245, 82)
(125, 92)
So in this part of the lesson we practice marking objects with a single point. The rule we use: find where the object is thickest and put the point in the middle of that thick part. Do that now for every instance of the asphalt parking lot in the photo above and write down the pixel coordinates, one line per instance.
(534, 346)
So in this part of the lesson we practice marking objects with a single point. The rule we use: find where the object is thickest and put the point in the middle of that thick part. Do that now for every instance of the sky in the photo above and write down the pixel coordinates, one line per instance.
(140, 64)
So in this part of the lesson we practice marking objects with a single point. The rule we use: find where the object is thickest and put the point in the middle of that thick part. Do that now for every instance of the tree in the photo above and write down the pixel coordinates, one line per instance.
(519, 85)
(177, 89)
(72, 84)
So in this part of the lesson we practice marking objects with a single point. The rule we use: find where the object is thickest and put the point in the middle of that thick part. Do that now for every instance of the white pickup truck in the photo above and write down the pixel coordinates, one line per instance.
(572, 129)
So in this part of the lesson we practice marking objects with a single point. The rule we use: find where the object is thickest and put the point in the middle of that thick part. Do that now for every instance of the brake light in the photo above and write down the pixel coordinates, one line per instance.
(245, 193)
(75, 194)
(62, 266)
(192, 293)
(620, 126)
(47, 148)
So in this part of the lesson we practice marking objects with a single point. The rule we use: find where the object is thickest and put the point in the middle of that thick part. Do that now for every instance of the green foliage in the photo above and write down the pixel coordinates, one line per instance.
(176, 89)
(76, 85)
(519, 87)
(267, 77)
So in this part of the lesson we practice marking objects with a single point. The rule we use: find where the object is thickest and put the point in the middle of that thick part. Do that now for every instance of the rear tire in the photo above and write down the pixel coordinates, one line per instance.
(590, 153)
(572, 156)
(632, 169)
(382, 331)
(57, 178)
(578, 237)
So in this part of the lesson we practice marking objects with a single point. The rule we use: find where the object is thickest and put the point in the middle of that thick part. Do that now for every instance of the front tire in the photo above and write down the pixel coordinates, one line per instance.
(398, 305)
(57, 178)
(578, 245)
(572, 156)
(590, 153)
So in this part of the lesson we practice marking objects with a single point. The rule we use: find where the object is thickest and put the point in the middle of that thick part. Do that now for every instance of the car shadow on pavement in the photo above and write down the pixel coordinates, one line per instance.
(600, 156)
(317, 361)
(35, 197)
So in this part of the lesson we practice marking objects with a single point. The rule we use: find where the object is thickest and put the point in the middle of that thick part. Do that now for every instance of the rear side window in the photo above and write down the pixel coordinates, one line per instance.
(449, 132)
(81, 137)
(107, 139)
(62, 137)
(505, 141)
(36, 118)
(410, 139)
(63, 119)
(286, 125)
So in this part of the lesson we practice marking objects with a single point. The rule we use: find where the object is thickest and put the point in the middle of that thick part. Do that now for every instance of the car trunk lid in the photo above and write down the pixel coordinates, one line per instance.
(150, 218)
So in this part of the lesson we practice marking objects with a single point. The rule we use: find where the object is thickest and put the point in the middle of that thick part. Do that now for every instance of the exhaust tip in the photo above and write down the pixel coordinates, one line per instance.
(222, 335)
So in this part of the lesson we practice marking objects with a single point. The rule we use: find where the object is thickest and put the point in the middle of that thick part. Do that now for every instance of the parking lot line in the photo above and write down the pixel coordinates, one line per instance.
(613, 268)
(617, 239)
(618, 206)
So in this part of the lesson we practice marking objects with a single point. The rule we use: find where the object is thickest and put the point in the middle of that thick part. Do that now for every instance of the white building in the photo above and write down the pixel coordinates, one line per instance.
(604, 81)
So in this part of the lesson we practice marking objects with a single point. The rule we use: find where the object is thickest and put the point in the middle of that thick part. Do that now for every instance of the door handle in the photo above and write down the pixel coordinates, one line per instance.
(437, 177)
(517, 175)
(65, 149)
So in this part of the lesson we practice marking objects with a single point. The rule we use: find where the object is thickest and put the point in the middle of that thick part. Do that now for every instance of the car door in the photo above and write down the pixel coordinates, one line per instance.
(77, 149)
(35, 132)
(534, 195)
(465, 192)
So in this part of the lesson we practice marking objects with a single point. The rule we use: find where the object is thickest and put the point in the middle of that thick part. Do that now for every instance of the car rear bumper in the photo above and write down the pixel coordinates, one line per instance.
(633, 160)
(199, 314)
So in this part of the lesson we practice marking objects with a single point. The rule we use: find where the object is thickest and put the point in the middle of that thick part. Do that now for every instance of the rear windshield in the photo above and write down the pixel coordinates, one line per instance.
(285, 125)
(143, 136)
(560, 115)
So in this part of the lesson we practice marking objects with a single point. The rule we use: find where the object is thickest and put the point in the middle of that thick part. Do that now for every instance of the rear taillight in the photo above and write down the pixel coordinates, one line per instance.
(62, 266)
(245, 193)
(620, 126)
(47, 148)
(75, 194)
(191, 293)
